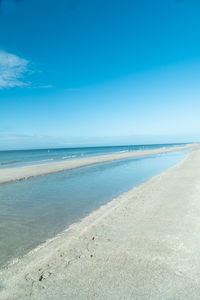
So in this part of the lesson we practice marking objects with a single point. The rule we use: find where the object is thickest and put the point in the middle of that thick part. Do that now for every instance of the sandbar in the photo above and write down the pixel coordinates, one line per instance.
(25, 172)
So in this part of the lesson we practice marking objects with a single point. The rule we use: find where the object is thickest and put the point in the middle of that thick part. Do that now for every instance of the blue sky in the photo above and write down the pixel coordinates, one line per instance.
(85, 72)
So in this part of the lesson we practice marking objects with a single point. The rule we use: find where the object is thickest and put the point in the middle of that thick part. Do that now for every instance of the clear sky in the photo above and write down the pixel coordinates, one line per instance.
(99, 72)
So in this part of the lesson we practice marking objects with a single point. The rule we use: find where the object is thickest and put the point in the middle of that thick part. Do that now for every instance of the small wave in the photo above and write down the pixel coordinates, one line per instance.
(9, 162)
(46, 159)
(71, 156)
(14, 162)
(36, 161)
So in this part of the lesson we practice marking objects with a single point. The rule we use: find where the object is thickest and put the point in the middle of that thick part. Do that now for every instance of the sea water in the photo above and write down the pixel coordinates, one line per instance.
(34, 210)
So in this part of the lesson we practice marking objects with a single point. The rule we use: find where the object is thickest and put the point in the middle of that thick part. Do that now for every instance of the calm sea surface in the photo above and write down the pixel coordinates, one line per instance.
(33, 210)
(29, 157)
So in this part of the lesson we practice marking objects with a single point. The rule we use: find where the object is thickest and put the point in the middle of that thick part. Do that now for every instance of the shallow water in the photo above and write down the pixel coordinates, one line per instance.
(33, 210)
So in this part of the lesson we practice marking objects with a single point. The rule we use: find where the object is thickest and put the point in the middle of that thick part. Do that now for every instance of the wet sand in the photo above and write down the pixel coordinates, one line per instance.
(143, 245)
(25, 172)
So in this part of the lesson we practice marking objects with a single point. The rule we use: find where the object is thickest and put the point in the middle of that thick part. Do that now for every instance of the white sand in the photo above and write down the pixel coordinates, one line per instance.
(142, 245)
(19, 173)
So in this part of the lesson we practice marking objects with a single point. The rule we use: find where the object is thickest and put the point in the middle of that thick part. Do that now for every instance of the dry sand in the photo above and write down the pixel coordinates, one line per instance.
(142, 245)
(19, 173)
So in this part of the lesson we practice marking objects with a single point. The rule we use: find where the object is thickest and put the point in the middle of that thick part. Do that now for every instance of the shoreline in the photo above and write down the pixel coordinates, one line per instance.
(19, 173)
(143, 244)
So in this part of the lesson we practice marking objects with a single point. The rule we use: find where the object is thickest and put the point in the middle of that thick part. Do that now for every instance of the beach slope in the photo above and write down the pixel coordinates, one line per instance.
(142, 245)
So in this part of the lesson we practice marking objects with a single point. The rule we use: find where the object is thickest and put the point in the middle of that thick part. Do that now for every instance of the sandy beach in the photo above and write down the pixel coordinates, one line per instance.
(142, 245)
(25, 172)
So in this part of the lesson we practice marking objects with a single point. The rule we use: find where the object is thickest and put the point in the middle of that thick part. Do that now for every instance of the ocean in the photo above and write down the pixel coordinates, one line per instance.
(34, 210)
